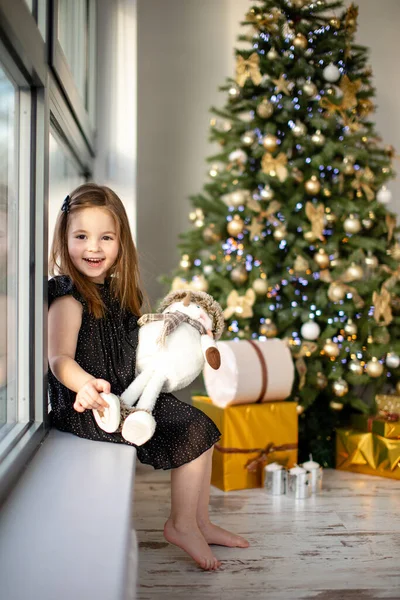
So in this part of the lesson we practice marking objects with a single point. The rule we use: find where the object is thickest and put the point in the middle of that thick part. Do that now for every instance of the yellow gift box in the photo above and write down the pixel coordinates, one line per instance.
(376, 424)
(367, 453)
(252, 436)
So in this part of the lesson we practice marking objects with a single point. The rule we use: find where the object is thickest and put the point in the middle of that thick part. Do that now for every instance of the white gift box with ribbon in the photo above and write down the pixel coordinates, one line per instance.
(250, 371)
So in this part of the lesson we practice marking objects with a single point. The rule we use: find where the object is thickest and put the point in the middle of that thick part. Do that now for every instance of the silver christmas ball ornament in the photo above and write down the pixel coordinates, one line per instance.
(384, 195)
(310, 330)
(392, 360)
(331, 73)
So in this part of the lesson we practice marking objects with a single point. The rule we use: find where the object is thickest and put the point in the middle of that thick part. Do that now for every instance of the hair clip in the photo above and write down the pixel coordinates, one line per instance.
(65, 206)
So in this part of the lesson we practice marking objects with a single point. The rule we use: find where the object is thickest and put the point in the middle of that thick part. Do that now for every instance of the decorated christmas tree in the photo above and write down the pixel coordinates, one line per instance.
(292, 234)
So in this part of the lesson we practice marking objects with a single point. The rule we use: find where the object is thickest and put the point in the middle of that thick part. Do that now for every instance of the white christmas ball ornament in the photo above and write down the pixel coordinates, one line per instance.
(384, 196)
(331, 73)
(392, 360)
(310, 330)
(238, 156)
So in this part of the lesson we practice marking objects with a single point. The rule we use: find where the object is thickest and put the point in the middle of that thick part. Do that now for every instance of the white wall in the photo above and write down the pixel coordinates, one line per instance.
(185, 51)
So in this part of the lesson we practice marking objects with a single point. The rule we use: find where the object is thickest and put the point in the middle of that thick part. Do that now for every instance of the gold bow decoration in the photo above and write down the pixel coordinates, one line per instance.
(275, 166)
(391, 225)
(269, 22)
(393, 279)
(246, 68)
(315, 214)
(306, 349)
(382, 308)
(351, 19)
(362, 181)
(365, 106)
(241, 306)
(349, 89)
(269, 213)
(330, 107)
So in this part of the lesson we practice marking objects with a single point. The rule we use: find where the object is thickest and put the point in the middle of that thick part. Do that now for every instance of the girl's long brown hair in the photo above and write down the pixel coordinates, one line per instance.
(124, 274)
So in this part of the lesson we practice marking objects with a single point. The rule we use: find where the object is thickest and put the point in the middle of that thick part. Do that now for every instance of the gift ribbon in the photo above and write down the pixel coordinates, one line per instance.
(252, 464)
(264, 370)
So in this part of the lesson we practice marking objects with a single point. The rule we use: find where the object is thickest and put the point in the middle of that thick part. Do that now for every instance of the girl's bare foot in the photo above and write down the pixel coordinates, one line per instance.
(216, 535)
(191, 540)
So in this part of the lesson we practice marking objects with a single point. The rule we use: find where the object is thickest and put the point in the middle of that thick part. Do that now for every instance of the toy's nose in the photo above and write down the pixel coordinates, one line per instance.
(187, 299)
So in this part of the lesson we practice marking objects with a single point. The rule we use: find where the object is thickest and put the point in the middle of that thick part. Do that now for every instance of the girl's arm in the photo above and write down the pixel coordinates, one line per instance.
(65, 319)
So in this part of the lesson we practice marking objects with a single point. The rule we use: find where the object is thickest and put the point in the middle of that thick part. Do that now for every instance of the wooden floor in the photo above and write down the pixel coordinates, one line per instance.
(343, 544)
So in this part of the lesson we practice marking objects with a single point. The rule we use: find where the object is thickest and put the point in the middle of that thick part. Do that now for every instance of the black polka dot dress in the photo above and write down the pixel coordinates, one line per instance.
(106, 349)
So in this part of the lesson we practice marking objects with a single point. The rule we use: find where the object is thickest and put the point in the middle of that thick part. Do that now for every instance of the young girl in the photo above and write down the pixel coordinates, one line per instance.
(94, 305)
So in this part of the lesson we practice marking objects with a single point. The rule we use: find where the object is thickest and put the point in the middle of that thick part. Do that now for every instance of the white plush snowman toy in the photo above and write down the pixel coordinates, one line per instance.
(173, 346)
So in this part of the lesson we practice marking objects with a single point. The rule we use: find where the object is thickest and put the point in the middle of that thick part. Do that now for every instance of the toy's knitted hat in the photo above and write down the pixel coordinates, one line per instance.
(211, 306)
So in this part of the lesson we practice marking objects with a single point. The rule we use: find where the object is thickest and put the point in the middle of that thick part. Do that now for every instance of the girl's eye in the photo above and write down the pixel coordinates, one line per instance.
(81, 236)
(107, 238)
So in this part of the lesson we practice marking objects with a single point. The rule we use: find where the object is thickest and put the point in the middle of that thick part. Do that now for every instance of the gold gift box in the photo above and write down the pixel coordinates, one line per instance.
(367, 453)
(376, 424)
(250, 432)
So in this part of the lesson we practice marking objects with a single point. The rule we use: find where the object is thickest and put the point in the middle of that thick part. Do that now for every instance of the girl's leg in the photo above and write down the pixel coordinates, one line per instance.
(181, 528)
(212, 533)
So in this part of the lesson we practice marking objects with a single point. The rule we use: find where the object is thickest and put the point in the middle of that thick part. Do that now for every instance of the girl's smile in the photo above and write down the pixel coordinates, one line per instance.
(93, 243)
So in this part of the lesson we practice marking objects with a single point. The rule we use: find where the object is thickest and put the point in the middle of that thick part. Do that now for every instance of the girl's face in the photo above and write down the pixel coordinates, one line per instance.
(93, 243)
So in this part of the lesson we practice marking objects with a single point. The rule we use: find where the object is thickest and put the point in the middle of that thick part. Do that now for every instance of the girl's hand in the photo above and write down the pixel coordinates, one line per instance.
(89, 397)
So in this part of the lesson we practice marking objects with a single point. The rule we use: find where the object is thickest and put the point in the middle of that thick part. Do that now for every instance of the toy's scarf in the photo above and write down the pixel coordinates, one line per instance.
(171, 320)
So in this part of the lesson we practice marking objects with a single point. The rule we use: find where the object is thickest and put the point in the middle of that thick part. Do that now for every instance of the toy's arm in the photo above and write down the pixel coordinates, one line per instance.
(210, 351)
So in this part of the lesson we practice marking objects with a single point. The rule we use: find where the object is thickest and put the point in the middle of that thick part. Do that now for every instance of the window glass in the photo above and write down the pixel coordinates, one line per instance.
(72, 35)
(65, 175)
(8, 252)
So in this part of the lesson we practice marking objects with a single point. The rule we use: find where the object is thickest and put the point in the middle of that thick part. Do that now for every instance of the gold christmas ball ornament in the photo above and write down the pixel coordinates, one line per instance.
(310, 89)
(185, 262)
(267, 193)
(331, 349)
(392, 360)
(270, 142)
(340, 389)
(322, 259)
(371, 261)
(265, 109)
(300, 409)
(300, 41)
(248, 138)
(354, 273)
(350, 327)
(336, 291)
(309, 236)
(268, 328)
(318, 138)
(299, 129)
(312, 186)
(348, 166)
(280, 233)
(374, 368)
(260, 286)
(272, 54)
(239, 275)
(355, 367)
(235, 226)
(321, 381)
(334, 22)
(352, 225)
(330, 218)
(336, 405)
(210, 236)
